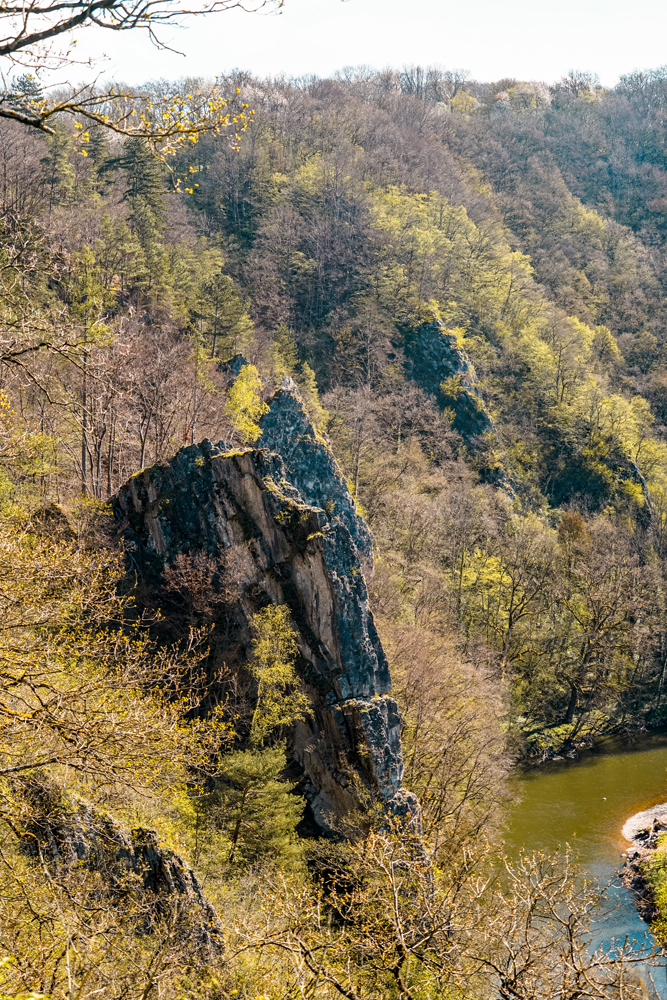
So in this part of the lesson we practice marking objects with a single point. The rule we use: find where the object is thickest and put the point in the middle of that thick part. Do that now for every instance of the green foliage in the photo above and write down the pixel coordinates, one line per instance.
(285, 352)
(251, 814)
(245, 406)
(221, 314)
(260, 812)
(655, 871)
(279, 701)
(145, 184)
(58, 171)
(307, 384)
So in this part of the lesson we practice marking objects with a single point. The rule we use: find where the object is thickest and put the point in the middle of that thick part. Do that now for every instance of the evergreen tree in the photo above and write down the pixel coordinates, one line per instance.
(97, 146)
(147, 228)
(261, 811)
(119, 256)
(144, 179)
(224, 315)
(285, 352)
(307, 384)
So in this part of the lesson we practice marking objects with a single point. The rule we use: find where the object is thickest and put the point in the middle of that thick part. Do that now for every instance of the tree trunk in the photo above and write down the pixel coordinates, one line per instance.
(84, 429)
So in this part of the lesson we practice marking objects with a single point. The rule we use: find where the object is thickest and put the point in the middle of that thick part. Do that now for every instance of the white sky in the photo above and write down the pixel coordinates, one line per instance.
(528, 39)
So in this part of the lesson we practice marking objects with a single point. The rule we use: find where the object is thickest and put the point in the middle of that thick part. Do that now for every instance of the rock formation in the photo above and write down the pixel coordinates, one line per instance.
(443, 369)
(240, 511)
(66, 832)
(436, 359)
(310, 465)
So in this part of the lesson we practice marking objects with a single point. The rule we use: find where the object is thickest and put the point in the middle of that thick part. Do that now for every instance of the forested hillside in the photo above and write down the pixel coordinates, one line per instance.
(527, 219)
(465, 281)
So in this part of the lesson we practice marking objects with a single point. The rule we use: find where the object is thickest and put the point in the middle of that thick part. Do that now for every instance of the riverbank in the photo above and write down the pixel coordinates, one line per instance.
(583, 803)
(645, 870)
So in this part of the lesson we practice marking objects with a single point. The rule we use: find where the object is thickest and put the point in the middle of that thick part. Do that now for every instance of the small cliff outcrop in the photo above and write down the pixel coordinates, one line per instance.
(266, 544)
(65, 832)
(443, 369)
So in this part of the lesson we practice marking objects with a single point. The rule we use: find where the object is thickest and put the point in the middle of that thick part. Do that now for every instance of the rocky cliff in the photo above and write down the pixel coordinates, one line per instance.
(267, 544)
(441, 367)
(310, 465)
(69, 833)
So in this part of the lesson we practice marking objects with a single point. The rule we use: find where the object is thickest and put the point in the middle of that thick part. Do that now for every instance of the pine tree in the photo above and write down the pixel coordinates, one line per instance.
(285, 352)
(144, 179)
(147, 228)
(225, 315)
(311, 398)
(261, 811)
(119, 255)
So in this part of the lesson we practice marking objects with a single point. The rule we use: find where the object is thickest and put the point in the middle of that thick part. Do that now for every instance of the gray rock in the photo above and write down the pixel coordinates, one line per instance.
(66, 831)
(239, 508)
(310, 465)
(434, 358)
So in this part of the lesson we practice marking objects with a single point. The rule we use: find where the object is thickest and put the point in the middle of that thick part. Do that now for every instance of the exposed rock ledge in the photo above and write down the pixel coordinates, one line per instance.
(272, 544)
(66, 831)
(642, 831)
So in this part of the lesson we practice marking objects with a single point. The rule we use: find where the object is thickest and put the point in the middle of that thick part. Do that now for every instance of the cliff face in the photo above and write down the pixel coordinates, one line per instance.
(66, 832)
(267, 544)
(436, 358)
(444, 370)
(310, 465)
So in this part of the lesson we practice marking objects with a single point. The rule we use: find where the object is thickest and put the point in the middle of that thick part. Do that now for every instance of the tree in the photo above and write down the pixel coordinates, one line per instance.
(285, 351)
(261, 811)
(222, 315)
(27, 34)
(385, 921)
(256, 810)
(87, 299)
(145, 180)
(31, 32)
(245, 406)
(58, 171)
(279, 701)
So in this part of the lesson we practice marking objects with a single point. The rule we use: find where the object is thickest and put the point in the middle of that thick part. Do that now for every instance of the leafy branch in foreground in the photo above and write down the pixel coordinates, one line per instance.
(382, 920)
(166, 122)
(30, 28)
(83, 690)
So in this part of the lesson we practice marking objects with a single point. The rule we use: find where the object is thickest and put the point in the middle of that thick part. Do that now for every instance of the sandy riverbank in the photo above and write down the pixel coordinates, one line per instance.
(644, 820)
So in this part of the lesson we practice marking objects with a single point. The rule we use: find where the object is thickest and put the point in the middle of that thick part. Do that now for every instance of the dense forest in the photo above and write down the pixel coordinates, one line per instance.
(466, 283)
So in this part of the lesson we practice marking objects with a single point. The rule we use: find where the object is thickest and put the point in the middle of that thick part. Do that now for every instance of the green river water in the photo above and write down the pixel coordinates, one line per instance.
(585, 803)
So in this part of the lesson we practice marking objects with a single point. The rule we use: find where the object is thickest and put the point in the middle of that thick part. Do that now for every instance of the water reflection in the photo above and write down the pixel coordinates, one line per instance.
(584, 803)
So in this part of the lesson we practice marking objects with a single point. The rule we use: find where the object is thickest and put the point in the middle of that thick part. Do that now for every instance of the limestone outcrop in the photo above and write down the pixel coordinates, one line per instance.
(443, 369)
(65, 831)
(310, 465)
(240, 511)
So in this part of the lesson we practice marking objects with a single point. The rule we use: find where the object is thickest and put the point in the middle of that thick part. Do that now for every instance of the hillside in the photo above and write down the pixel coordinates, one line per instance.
(422, 318)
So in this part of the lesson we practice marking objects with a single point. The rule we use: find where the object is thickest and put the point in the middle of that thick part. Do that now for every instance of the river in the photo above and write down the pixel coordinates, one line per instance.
(585, 803)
